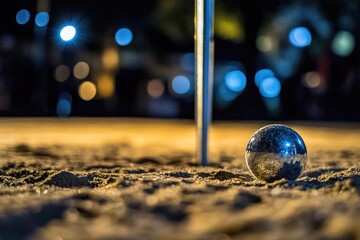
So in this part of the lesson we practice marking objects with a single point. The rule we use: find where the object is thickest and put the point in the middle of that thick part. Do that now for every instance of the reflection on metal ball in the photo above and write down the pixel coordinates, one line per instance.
(275, 152)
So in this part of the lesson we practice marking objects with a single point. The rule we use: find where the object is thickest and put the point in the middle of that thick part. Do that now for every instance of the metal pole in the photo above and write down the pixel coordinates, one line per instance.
(204, 68)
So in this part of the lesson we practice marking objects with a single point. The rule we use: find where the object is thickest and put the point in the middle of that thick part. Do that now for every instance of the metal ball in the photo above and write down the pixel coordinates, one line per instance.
(275, 152)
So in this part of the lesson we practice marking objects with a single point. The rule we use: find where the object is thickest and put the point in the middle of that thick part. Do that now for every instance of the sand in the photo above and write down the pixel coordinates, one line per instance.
(115, 178)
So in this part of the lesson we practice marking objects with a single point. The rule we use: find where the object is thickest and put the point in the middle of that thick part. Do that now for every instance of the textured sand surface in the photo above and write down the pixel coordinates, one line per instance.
(137, 179)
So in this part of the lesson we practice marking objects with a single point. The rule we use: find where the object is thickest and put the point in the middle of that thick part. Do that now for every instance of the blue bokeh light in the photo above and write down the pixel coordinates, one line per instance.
(42, 19)
(187, 61)
(22, 16)
(226, 94)
(67, 33)
(180, 84)
(263, 74)
(63, 107)
(270, 87)
(284, 68)
(235, 80)
(300, 37)
(123, 36)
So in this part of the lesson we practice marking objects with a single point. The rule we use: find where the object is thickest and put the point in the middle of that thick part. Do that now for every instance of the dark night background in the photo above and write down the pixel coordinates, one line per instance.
(312, 77)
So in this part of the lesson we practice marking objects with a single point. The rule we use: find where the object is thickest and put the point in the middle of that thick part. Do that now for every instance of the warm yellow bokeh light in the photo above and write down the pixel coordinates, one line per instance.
(110, 58)
(81, 70)
(229, 27)
(155, 88)
(87, 91)
(106, 86)
(62, 73)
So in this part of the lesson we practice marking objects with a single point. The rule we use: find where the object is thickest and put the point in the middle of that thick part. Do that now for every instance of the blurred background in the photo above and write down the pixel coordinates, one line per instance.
(274, 60)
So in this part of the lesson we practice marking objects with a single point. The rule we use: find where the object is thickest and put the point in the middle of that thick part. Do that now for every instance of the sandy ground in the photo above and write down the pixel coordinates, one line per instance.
(137, 179)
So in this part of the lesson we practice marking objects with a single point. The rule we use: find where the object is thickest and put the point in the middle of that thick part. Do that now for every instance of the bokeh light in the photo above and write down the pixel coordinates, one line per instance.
(67, 33)
(62, 73)
(155, 88)
(228, 26)
(263, 74)
(343, 43)
(87, 91)
(42, 19)
(311, 80)
(22, 16)
(105, 86)
(265, 44)
(273, 105)
(81, 70)
(235, 80)
(123, 36)
(226, 94)
(110, 58)
(300, 37)
(306, 52)
(63, 107)
(270, 87)
(284, 68)
(187, 61)
(180, 84)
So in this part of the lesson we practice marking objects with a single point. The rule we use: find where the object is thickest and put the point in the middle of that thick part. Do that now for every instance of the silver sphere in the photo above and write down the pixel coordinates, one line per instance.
(275, 152)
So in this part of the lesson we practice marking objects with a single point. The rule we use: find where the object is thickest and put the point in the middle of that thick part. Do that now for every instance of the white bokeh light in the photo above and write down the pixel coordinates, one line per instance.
(67, 33)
